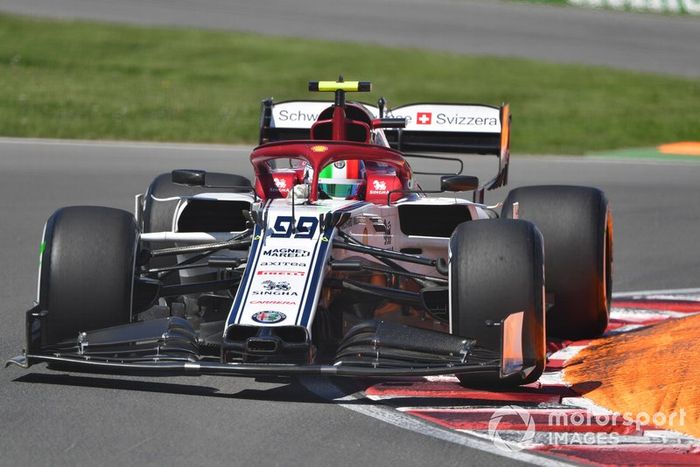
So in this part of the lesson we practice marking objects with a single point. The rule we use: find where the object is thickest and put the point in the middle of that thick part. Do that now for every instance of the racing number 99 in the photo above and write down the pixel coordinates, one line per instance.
(305, 227)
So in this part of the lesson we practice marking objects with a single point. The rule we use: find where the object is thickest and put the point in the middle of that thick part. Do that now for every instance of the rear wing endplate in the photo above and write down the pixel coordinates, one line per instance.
(456, 128)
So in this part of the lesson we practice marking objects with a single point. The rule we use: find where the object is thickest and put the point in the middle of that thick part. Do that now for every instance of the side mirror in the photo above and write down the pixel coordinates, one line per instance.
(459, 183)
(189, 177)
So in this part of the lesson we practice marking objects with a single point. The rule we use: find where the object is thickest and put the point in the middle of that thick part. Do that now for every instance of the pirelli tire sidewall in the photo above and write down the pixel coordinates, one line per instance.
(87, 270)
(577, 227)
(497, 269)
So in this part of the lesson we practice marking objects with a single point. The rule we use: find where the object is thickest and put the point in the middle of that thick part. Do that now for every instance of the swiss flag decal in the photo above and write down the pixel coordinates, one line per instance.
(424, 118)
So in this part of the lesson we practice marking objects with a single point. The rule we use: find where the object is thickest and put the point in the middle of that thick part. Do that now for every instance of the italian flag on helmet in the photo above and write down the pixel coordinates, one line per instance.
(342, 179)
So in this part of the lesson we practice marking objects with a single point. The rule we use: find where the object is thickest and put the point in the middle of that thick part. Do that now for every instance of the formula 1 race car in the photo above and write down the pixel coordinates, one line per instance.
(334, 261)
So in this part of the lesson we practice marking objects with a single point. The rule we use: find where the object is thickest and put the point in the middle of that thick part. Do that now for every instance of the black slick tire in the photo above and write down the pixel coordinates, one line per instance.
(86, 277)
(496, 270)
(576, 224)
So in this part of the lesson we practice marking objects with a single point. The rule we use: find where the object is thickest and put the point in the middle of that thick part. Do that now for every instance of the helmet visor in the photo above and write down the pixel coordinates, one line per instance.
(339, 188)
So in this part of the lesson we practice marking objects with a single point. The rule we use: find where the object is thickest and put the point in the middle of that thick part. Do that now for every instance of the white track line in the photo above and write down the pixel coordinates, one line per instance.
(655, 292)
(125, 144)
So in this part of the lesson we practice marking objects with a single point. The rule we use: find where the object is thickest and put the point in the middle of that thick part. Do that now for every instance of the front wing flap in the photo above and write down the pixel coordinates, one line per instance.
(176, 368)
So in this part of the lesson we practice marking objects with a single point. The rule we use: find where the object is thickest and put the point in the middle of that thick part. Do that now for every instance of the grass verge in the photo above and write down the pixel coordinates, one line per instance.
(93, 80)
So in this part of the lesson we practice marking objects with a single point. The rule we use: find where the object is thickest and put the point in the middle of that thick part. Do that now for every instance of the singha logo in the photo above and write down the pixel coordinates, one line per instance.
(379, 185)
(280, 183)
(272, 285)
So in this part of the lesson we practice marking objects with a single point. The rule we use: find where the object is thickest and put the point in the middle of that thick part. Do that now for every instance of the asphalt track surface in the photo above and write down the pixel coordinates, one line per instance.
(645, 42)
(61, 419)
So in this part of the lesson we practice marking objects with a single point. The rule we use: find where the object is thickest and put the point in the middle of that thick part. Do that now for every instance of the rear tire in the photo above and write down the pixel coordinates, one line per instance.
(87, 270)
(496, 269)
(577, 228)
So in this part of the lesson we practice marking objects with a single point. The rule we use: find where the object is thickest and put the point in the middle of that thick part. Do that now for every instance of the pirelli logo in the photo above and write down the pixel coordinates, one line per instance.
(282, 273)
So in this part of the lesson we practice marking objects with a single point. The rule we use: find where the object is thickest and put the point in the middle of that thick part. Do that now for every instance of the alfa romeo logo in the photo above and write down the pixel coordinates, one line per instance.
(269, 317)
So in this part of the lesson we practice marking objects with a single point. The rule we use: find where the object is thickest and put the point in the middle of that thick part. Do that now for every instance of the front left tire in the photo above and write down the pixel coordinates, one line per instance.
(87, 270)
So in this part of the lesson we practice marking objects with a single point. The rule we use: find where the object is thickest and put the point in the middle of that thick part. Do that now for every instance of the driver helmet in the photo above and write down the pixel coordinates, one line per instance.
(342, 179)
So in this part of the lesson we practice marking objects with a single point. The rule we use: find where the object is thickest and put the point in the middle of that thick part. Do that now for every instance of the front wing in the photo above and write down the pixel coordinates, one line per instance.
(170, 347)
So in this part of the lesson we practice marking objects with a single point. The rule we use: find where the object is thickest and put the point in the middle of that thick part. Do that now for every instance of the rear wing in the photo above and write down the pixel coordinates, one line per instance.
(292, 120)
(456, 128)
(430, 128)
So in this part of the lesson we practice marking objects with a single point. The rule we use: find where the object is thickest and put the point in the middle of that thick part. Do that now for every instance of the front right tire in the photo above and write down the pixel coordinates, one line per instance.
(497, 270)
